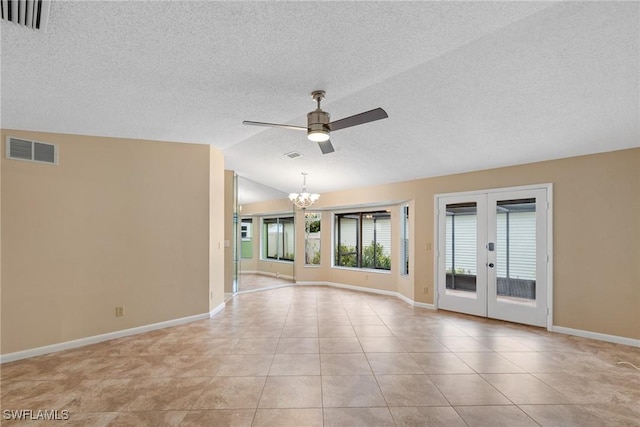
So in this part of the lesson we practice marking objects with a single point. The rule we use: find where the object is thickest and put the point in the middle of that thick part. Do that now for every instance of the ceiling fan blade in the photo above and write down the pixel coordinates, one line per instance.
(326, 147)
(358, 119)
(275, 125)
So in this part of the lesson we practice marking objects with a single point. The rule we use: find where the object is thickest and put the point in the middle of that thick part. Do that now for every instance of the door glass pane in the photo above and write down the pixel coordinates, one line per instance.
(461, 248)
(516, 250)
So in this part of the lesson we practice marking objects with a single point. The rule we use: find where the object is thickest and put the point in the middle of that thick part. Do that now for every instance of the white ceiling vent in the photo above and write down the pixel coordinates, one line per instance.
(293, 154)
(32, 151)
(30, 13)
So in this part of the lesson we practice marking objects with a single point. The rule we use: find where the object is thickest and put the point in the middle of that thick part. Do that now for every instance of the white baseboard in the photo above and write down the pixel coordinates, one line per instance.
(267, 273)
(370, 290)
(276, 275)
(267, 288)
(39, 351)
(220, 307)
(360, 289)
(416, 303)
(596, 336)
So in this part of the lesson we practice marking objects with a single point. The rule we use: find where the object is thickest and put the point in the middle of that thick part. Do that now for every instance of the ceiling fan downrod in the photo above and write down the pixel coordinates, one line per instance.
(318, 95)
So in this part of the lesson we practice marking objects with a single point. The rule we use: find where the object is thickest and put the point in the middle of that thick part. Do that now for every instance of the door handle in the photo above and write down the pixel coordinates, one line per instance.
(490, 265)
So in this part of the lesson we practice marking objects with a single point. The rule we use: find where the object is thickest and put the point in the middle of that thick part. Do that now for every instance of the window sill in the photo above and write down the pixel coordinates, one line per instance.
(281, 261)
(362, 270)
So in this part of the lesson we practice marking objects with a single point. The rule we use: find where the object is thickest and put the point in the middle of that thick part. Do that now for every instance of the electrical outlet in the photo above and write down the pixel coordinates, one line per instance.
(426, 290)
(120, 311)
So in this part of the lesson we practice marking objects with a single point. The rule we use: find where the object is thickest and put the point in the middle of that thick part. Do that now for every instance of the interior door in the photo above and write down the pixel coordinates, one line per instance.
(492, 254)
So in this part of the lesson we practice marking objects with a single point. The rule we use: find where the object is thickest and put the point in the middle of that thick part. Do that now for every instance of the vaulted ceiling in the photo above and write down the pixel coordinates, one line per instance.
(467, 85)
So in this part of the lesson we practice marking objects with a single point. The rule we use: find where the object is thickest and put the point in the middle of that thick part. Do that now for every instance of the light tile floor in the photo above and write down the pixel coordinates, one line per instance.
(314, 356)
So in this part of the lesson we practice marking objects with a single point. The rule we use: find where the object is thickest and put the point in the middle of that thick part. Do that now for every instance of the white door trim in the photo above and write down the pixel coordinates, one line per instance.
(549, 217)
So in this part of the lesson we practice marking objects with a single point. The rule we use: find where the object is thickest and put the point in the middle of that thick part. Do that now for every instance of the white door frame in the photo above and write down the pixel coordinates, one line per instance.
(549, 217)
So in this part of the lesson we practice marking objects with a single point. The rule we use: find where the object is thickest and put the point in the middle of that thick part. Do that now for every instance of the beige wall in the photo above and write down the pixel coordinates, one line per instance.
(596, 240)
(116, 223)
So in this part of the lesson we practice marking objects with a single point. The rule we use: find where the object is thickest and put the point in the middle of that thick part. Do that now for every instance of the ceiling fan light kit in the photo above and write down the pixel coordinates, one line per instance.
(319, 127)
(318, 120)
(318, 135)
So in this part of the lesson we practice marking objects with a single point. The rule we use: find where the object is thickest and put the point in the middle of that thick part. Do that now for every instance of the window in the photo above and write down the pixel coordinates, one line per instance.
(246, 233)
(278, 238)
(404, 244)
(363, 240)
(245, 228)
(312, 238)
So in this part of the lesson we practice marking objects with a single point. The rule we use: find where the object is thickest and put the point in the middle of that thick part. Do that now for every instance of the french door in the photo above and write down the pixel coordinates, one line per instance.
(492, 257)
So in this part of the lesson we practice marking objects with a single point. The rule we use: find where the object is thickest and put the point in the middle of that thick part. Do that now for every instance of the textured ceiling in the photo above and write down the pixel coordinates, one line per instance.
(467, 85)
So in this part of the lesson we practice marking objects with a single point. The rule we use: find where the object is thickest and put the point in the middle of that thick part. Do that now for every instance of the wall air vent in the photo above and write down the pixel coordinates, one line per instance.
(293, 155)
(31, 151)
(30, 13)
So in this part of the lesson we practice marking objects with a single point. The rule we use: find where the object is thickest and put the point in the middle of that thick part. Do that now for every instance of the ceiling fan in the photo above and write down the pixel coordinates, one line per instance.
(319, 127)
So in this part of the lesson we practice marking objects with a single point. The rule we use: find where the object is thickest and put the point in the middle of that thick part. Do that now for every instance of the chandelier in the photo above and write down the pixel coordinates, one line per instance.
(303, 200)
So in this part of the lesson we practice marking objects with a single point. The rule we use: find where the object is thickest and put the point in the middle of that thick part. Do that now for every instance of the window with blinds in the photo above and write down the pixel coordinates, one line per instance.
(278, 238)
(516, 240)
(363, 240)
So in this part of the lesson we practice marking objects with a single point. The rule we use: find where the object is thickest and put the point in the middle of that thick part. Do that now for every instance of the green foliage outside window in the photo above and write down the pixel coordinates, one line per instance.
(313, 226)
(372, 257)
(459, 270)
(346, 256)
(312, 238)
